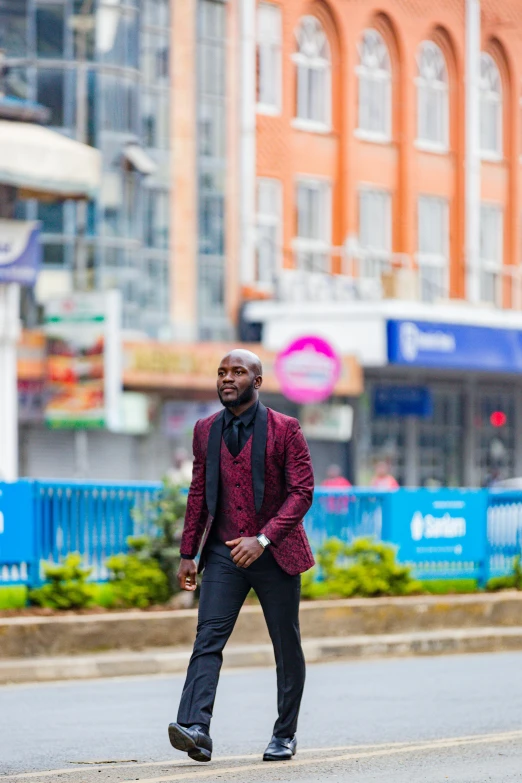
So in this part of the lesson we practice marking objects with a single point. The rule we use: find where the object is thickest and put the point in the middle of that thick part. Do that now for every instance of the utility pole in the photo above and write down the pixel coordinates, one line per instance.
(83, 23)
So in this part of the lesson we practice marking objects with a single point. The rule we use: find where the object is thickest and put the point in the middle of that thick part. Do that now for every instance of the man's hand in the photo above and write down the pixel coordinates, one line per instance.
(245, 551)
(187, 575)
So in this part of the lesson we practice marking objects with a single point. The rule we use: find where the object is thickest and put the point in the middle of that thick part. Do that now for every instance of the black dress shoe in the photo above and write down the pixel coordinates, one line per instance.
(193, 740)
(280, 749)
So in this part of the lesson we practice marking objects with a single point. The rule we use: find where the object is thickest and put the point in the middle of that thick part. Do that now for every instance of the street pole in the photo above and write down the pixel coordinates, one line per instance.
(472, 162)
(83, 23)
(9, 334)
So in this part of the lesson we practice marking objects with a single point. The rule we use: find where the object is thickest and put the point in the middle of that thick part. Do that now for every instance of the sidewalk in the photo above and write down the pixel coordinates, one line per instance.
(175, 660)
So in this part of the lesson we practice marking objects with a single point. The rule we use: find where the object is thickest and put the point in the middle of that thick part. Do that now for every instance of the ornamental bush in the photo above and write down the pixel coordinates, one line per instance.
(163, 519)
(364, 568)
(511, 582)
(136, 581)
(66, 586)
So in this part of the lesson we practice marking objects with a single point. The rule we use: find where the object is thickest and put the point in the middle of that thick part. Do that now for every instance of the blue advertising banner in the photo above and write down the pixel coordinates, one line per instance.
(438, 526)
(402, 401)
(454, 346)
(17, 544)
(20, 251)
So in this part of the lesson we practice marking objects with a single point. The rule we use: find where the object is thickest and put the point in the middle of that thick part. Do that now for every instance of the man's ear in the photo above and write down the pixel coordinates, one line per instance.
(258, 382)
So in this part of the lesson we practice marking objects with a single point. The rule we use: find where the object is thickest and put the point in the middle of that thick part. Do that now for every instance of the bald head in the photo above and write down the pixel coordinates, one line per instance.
(248, 358)
(239, 378)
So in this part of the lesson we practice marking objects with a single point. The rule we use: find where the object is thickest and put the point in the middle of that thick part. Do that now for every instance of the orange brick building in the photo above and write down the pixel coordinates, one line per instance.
(387, 217)
(361, 114)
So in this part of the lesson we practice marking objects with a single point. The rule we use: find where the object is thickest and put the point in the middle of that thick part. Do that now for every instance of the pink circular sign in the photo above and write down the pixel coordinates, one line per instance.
(308, 370)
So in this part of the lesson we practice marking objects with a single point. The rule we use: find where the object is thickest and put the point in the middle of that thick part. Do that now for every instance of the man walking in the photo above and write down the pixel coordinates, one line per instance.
(252, 484)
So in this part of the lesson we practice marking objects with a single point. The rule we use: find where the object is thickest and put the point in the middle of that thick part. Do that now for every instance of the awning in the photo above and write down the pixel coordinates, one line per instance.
(40, 161)
(139, 160)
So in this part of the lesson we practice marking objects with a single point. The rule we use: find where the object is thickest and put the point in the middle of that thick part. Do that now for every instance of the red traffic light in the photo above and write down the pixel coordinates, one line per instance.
(498, 418)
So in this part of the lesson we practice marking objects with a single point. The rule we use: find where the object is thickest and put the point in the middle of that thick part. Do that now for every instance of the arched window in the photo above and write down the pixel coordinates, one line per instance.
(490, 107)
(313, 63)
(374, 72)
(432, 96)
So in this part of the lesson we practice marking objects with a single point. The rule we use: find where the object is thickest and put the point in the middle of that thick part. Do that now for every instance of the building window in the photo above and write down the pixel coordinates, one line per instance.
(268, 231)
(268, 57)
(13, 27)
(313, 63)
(491, 253)
(432, 97)
(374, 74)
(490, 108)
(314, 226)
(433, 246)
(50, 30)
(156, 218)
(374, 232)
(50, 92)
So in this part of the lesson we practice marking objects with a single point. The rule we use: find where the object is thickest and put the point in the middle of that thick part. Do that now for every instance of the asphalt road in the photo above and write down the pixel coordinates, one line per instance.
(410, 720)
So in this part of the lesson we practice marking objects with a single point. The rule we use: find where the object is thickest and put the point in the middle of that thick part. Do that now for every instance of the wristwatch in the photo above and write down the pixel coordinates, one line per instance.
(263, 540)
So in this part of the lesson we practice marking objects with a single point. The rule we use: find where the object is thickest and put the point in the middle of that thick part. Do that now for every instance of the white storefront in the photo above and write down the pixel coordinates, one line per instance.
(465, 362)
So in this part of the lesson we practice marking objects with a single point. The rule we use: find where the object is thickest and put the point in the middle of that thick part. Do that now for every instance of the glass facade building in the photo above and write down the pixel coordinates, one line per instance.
(212, 161)
(102, 70)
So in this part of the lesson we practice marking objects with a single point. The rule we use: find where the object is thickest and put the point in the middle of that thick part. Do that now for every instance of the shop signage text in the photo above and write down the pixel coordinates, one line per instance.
(454, 346)
(83, 383)
(308, 369)
(184, 366)
(440, 526)
(402, 401)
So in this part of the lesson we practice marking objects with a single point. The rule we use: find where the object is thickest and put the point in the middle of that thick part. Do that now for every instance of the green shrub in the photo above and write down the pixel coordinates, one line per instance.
(164, 518)
(363, 568)
(449, 586)
(13, 597)
(510, 582)
(66, 586)
(137, 581)
(104, 595)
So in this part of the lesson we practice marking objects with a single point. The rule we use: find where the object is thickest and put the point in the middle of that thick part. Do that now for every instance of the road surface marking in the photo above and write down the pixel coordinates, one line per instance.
(200, 774)
(356, 751)
(183, 762)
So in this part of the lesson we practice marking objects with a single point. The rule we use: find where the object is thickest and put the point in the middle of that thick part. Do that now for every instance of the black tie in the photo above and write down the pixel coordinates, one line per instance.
(234, 437)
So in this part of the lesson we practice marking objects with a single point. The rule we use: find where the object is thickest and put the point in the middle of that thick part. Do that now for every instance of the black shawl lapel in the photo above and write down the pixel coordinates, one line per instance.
(258, 455)
(212, 464)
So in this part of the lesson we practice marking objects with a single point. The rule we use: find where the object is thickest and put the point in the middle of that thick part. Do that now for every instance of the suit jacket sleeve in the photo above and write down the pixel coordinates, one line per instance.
(197, 513)
(299, 484)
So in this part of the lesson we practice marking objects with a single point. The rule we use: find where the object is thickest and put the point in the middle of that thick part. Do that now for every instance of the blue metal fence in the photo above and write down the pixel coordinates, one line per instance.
(345, 515)
(440, 533)
(504, 530)
(90, 518)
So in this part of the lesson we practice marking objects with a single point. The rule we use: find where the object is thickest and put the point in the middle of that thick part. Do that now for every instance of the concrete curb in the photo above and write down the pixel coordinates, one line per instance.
(29, 637)
(174, 661)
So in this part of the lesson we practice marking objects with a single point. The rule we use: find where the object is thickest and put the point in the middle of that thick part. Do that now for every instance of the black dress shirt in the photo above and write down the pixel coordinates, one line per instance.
(246, 428)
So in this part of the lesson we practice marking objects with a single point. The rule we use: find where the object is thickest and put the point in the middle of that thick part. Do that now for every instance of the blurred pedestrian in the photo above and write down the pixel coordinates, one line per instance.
(181, 470)
(335, 478)
(252, 485)
(382, 477)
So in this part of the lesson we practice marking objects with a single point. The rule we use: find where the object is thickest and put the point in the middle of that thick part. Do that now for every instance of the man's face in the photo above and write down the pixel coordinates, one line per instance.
(235, 382)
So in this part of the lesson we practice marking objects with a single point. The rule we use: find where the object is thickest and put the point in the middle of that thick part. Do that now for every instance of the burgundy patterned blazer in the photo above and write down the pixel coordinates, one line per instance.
(283, 484)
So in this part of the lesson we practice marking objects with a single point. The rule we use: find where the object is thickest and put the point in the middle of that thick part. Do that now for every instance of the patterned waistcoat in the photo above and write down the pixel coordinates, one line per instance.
(236, 513)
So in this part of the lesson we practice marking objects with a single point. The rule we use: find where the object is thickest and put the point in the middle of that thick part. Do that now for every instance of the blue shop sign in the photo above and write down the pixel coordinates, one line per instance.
(402, 401)
(454, 346)
(437, 526)
(20, 251)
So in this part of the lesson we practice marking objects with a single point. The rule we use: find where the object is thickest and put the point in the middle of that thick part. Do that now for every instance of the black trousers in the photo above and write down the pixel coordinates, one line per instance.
(223, 592)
